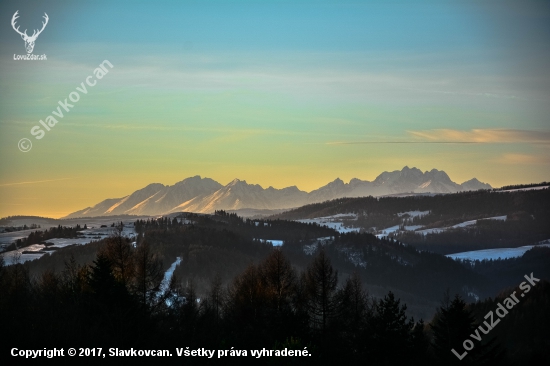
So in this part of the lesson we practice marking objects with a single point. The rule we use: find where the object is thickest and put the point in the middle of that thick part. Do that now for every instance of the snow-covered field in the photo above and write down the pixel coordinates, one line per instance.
(16, 255)
(413, 227)
(525, 189)
(498, 253)
(387, 231)
(462, 224)
(92, 233)
(275, 243)
(393, 229)
(431, 231)
(334, 222)
(413, 213)
(341, 216)
(8, 238)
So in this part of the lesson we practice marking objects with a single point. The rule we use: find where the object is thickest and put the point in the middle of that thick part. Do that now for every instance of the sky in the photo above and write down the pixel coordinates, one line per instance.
(277, 93)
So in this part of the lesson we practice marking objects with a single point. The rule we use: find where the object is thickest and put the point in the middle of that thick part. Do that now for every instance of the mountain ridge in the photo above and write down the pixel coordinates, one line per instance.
(205, 195)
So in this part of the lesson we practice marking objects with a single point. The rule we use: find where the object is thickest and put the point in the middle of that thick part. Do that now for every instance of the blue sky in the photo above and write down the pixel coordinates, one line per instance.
(276, 92)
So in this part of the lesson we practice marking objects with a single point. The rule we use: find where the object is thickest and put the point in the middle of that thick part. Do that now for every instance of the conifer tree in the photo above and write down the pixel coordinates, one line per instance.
(391, 332)
(321, 280)
(453, 324)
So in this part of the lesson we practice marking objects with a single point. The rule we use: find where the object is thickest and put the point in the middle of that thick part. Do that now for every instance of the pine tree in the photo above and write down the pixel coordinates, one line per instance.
(391, 332)
(452, 325)
(420, 344)
(353, 316)
(216, 299)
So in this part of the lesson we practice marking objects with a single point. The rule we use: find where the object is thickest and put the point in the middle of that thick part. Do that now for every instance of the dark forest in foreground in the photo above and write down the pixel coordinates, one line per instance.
(107, 294)
(116, 302)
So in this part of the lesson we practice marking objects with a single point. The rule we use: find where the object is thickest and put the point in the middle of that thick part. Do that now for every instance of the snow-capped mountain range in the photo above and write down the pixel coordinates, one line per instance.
(204, 195)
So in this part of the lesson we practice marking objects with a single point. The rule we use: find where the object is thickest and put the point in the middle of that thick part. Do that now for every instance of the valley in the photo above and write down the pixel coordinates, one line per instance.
(416, 247)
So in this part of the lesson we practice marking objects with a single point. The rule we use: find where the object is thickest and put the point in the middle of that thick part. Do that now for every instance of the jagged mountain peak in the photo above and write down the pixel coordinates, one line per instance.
(196, 178)
(336, 182)
(242, 185)
(474, 184)
(287, 189)
(205, 195)
(153, 186)
(439, 174)
(473, 180)
(237, 182)
(413, 169)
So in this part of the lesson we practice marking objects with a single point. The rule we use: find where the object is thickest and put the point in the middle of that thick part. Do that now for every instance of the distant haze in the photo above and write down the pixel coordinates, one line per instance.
(204, 195)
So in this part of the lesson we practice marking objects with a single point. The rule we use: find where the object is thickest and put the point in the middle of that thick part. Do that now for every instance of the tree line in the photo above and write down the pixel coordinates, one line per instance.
(445, 209)
(117, 301)
(40, 237)
(272, 302)
(516, 231)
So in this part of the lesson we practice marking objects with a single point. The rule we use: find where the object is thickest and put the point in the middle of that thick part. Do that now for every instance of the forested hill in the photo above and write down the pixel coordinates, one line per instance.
(458, 205)
(280, 230)
(445, 224)
(310, 291)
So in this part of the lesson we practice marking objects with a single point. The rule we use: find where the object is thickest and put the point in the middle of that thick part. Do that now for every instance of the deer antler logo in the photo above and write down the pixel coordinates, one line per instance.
(29, 41)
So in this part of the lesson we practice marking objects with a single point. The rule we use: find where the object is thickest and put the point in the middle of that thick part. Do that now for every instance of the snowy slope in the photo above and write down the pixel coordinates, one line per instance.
(333, 222)
(498, 253)
(204, 195)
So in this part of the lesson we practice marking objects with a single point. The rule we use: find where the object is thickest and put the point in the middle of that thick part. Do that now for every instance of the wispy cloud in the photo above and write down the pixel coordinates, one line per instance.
(450, 136)
(523, 159)
(483, 136)
(397, 142)
(471, 94)
(33, 182)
